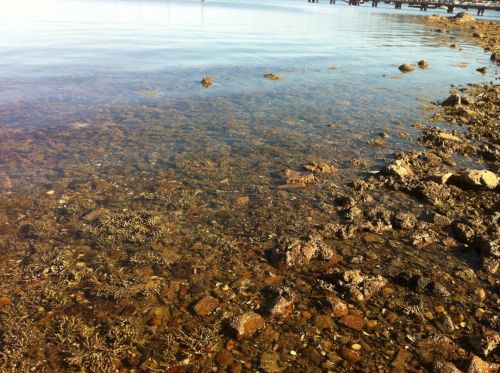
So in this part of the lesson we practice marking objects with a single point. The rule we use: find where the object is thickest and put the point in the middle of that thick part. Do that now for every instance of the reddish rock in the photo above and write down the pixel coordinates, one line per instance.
(280, 306)
(242, 201)
(355, 322)
(246, 325)
(224, 358)
(339, 308)
(205, 305)
(350, 355)
(477, 365)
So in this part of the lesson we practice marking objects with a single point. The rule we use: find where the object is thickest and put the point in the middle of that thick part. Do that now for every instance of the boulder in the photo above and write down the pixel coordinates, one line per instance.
(463, 17)
(452, 100)
(476, 179)
(398, 168)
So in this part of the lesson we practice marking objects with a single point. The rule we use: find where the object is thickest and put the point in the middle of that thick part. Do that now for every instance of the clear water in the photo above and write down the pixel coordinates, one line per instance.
(138, 63)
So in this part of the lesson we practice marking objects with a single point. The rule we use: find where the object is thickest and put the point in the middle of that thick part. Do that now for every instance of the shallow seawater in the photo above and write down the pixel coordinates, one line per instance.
(137, 62)
(128, 190)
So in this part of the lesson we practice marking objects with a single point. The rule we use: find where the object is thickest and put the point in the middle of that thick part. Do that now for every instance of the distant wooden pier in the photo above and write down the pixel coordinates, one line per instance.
(449, 5)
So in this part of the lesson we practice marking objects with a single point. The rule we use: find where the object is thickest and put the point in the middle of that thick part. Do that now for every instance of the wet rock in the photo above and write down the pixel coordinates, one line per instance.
(468, 275)
(449, 137)
(324, 322)
(486, 343)
(299, 179)
(444, 323)
(406, 67)
(414, 279)
(242, 200)
(463, 17)
(272, 77)
(436, 346)
(338, 306)
(442, 178)
(320, 168)
(398, 168)
(350, 355)
(205, 305)
(5, 182)
(300, 252)
(477, 35)
(452, 100)
(488, 247)
(399, 363)
(477, 365)
(224, 358)
(431, 192)
(404, 220)
(269, 362)
(482, 70)
(439, 219)
(441, 366)
(423, 64)
(207, 81)
(280, 301)
(463, 231)
(476, 179)
(439, 290)
(355, 322)
(490, 265)
(495, 57)
(246, 325)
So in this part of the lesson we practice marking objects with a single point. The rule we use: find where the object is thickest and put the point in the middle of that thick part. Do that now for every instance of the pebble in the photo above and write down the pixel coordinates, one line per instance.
(224, 358)
(206, 305)
(244, 326)
(350, 355)
(324, 322)
(480, 294)
(355, 322)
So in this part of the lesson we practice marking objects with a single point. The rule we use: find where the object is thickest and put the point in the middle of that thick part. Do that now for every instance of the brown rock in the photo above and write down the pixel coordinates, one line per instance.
(339, 308)
(350, 355)
(280, 306)
(272, 77)
(246, 325)
(206, 305)
(406, 67)
(452, 100)
(224, 358)
(477, 365)
(207, 81)
(355, 322)
(324, 322)
(242, 201)
(476, 179)
(441, 366)
(423, 64)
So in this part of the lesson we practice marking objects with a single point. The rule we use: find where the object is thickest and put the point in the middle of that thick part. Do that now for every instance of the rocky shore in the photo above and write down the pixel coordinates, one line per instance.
(196, 268)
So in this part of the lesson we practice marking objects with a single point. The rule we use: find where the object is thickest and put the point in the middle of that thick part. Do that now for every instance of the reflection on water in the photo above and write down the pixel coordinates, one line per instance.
(128, 192)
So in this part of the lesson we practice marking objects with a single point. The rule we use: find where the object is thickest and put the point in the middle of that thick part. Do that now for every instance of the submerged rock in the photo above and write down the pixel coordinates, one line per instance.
(423, 64)
(244, 326)
(442, 366)
(272, 77)
(207, 81)
(300, 252)
(406, 67)
(205, 305)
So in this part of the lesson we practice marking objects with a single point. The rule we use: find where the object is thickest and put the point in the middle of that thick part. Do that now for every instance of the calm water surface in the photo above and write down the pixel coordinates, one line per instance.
(139, 63)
